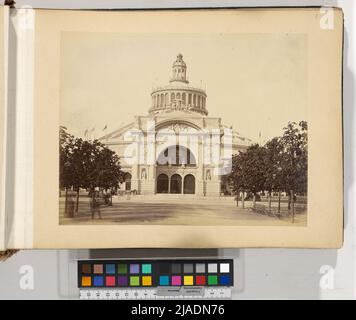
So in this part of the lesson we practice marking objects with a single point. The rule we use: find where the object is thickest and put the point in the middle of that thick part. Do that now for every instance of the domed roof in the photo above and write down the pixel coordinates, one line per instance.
(178, 95)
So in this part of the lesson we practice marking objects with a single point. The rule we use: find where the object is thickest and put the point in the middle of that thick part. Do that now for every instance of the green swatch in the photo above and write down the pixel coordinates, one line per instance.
(122, 268)
(213, 280)
(134, 281)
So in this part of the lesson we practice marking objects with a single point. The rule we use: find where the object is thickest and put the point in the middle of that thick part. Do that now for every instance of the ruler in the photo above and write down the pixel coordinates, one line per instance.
(159, 293)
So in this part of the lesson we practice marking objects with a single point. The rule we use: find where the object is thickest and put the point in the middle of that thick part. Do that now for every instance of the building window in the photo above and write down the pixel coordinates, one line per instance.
(183, 98)
(194, 100)
(190, 98)
(176, 156)
(172, 97)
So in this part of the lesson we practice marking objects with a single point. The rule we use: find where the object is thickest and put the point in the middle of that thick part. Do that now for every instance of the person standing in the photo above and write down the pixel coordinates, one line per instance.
(94, 206)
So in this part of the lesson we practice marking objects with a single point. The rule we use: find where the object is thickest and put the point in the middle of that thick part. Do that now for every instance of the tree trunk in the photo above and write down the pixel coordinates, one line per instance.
(289, 201)
(243, 199)
(279, 201)
(237, 198)
(254, 201)
(269, 201)
(66, 203)
(292, 199)
(77, 202)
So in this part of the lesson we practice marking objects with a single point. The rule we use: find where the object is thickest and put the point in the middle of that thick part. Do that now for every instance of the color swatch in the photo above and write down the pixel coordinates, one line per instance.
(154, 273)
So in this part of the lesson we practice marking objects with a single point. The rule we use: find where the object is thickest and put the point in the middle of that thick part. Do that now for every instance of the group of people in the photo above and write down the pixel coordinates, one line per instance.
(96, 200)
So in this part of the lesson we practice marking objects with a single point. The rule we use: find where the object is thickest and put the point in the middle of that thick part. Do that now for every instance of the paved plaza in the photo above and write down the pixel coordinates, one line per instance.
(176, 210)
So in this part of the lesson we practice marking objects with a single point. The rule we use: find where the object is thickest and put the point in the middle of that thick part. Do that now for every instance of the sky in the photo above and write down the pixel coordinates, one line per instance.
(254, 82)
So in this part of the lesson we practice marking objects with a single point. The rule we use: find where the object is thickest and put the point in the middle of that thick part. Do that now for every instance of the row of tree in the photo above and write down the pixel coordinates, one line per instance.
(280, 165)
(86, 164)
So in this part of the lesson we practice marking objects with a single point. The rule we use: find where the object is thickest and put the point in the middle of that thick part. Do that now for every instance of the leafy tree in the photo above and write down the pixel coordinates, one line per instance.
(65, 161)
(106, 170)
(236, 176)
(295, 159)
(87, 164)
(281, 165)
(273, 169)
(248, 171)
(254, 170)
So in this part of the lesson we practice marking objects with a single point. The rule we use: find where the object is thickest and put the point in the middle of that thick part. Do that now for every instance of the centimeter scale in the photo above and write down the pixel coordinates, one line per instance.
(155, 279)
(156, 294)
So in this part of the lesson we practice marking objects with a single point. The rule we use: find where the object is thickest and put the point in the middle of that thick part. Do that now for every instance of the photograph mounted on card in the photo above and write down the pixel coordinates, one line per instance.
(193, 128)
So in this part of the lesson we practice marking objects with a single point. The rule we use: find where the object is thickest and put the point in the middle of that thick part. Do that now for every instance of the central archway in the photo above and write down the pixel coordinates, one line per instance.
(176, 184)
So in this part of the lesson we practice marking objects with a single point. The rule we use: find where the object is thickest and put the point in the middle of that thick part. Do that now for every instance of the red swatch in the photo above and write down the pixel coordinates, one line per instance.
(110, 281)
(200, 280)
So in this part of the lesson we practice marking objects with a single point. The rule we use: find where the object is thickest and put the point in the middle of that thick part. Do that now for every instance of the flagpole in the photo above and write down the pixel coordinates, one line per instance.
(104, 130)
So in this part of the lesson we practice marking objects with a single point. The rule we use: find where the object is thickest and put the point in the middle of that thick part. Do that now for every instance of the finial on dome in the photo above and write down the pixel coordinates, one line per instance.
(179, 72)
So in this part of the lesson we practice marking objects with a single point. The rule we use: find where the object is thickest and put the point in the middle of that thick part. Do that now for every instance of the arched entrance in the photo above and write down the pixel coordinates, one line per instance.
(189, 184)
(127, 180)
(172, 163)
(162, 183)
(176, 184)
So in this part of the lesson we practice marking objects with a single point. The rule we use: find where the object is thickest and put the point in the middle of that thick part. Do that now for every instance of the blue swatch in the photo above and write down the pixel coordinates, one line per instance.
(98, 281)
(110, 269)
(224, 280)
(164, 280)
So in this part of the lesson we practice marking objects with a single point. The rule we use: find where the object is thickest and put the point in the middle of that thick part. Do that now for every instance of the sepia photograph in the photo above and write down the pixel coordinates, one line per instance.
(183, 129)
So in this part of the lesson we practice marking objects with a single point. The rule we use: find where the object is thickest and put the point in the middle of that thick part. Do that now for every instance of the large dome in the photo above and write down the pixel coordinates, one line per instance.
(178, 95)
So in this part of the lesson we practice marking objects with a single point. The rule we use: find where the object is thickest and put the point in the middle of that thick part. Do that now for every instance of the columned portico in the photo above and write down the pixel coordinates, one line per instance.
(176, 181)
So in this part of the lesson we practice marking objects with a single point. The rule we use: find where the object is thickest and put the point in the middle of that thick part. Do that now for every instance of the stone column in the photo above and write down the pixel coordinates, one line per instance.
(200, 171)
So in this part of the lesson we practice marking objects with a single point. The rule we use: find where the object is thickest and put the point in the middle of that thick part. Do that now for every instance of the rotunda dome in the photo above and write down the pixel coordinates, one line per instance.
(178, 95)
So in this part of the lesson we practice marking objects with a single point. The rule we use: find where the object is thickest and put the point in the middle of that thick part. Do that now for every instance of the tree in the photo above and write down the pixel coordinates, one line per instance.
(248, 171)
(84, 153)
(65, 162)
(254, 170)
(281, 165)
(295, 159)
(106, 170)
(87, 164)
(237, 176)
(273, 169)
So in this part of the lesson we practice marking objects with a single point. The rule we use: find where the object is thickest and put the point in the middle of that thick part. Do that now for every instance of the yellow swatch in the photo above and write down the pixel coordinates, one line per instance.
(188, 280)
(147, 281)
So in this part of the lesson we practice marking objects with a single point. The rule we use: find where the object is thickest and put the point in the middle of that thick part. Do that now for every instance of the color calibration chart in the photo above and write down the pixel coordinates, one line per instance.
(155, 279)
